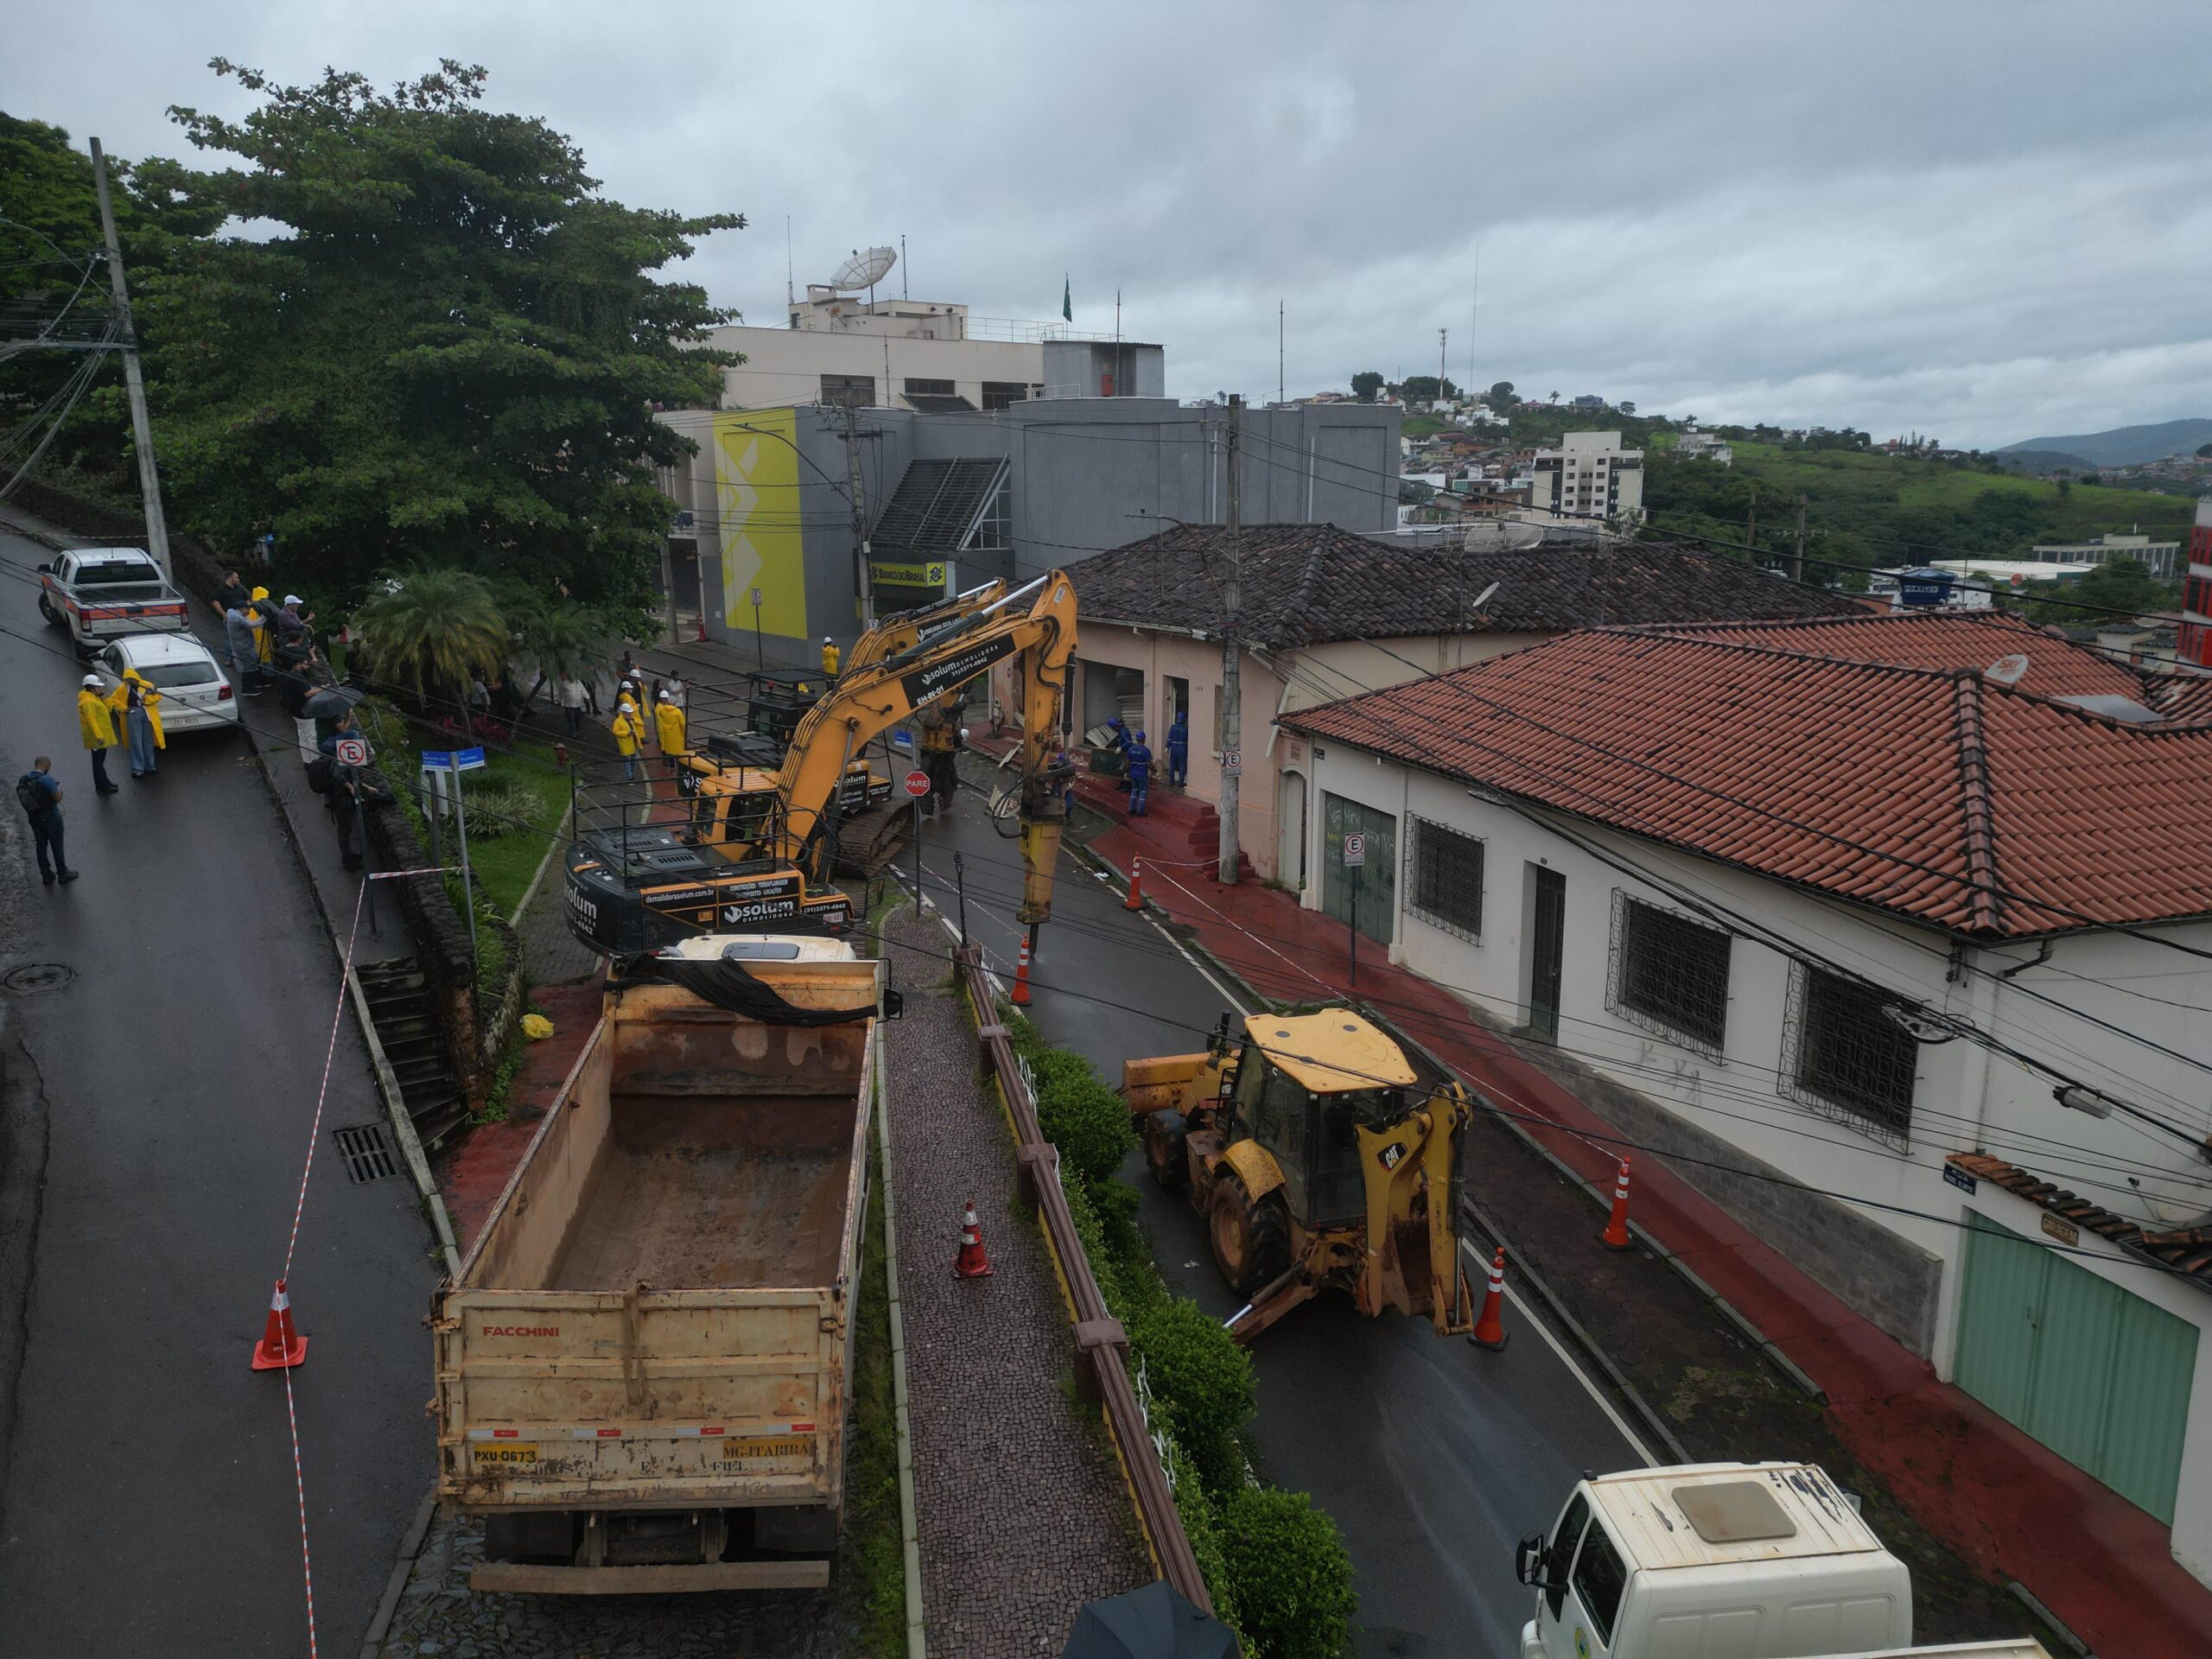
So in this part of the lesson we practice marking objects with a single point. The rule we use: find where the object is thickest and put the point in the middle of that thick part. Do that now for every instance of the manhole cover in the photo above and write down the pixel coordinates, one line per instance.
(34, 977)
(368, 1157)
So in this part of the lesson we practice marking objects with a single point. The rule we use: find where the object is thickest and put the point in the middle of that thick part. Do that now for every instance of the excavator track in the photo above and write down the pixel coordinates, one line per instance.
(869, 840)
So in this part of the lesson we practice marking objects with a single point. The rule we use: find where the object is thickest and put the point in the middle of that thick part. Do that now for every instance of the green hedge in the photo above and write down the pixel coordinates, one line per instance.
(1261, 1549)
(1293, 1577)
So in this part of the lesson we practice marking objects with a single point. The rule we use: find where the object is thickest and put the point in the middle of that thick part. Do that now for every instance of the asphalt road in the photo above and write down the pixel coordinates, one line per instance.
(1434, 1456)
(155, 1115)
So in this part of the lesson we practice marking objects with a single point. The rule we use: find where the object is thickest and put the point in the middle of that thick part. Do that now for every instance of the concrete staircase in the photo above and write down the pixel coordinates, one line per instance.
(407, 1026)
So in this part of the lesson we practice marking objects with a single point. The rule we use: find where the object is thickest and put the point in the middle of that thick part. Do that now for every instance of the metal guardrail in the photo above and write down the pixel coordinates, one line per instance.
(1102, 1345)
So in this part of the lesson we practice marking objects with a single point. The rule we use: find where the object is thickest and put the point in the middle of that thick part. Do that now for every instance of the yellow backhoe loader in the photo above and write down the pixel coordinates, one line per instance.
(1320, 1158)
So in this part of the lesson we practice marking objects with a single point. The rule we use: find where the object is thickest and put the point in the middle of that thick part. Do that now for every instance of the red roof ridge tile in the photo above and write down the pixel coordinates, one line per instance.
(2180, 1252)
(1976, 802)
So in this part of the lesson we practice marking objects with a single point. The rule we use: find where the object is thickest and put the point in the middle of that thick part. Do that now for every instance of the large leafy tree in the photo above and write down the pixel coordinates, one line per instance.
(54, 285)
(449, 353)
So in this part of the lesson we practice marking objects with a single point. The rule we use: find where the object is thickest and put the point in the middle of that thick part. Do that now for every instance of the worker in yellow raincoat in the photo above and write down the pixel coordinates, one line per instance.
(629, 731)
(261, 612)
(96, 725)
(137, 708)
(669, 725)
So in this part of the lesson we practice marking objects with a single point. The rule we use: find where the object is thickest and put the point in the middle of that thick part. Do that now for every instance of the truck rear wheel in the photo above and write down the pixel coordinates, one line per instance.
(53, 620)
(1251, 1242)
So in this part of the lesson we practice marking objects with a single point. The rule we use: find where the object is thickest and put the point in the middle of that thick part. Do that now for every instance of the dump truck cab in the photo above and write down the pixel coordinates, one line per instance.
(1320, 1157)
(1750, 1561)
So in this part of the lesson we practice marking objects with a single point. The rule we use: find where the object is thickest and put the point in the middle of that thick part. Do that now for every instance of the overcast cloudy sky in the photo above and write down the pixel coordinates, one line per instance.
(1986, 221)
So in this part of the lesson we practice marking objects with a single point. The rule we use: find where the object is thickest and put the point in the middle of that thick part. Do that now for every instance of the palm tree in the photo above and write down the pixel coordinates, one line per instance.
(563, 639)
(430, 630)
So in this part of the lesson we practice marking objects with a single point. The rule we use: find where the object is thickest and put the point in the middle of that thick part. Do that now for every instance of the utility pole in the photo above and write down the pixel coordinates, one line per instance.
(864, 579)
(1797, 559)
(1232, 722)
(1279, 396)
(1442, 335)
(1751, 526)
(141, 435)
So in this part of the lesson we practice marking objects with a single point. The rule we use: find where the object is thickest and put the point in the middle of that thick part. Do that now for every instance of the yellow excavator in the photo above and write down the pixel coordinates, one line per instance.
(756, 847)
(1320, 1157)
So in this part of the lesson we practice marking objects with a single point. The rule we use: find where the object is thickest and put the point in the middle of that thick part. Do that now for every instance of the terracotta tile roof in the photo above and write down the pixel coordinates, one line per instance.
(2188, 1250)
(1942, 639)
(1309, 584)
(1940, 796)
(2186, 700)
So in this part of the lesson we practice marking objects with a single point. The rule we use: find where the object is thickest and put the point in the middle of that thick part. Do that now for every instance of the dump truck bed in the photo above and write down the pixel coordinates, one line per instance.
(656, 1315)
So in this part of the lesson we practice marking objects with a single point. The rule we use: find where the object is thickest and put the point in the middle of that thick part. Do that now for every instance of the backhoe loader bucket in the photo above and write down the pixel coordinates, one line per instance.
(1160, 1083)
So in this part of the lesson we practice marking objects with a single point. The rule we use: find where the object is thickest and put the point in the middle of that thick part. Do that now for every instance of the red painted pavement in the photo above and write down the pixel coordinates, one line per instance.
(473, 1172)
(2004, 1504)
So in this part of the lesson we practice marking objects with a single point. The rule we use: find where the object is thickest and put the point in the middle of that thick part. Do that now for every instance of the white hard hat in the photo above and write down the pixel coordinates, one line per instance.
(827, 640)
(664, 695)
(93, 680)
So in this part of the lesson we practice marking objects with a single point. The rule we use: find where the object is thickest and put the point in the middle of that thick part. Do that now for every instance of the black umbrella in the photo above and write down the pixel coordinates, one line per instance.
(330, 702)
(1153, 1622)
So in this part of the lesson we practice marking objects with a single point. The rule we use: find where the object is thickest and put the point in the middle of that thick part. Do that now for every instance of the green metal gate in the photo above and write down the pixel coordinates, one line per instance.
(1378, 879)
(2094, 1372)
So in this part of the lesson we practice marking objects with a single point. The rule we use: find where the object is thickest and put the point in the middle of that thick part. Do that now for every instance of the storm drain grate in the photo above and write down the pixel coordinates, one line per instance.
(368, 1155)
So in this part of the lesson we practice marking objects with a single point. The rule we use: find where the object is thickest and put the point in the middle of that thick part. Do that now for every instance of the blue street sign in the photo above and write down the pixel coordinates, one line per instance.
(453, 759)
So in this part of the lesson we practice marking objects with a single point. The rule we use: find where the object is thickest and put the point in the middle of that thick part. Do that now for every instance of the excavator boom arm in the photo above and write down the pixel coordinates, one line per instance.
(1035, 625)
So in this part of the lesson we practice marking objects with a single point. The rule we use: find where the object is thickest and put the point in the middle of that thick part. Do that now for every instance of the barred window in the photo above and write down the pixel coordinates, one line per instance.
(928, 388)
(855, 391)
(1004, 394)
(1443, 879)
(1844, 1058)
(1668, 974)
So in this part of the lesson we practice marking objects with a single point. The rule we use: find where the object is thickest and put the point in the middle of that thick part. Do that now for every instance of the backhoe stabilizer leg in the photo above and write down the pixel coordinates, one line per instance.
(1273, 1300)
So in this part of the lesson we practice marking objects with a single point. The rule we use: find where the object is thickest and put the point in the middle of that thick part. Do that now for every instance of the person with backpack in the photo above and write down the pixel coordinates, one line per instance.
(137, 708)
(38, 792)
(96, 725)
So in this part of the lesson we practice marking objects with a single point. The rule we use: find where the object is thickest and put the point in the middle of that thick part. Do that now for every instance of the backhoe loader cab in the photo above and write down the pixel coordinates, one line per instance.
(1320, 1158)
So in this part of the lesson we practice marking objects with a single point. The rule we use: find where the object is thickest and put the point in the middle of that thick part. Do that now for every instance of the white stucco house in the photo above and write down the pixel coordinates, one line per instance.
(1915, 963)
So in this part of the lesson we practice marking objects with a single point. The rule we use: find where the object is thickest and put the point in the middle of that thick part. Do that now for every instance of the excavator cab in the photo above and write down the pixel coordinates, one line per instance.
(1320, 1158)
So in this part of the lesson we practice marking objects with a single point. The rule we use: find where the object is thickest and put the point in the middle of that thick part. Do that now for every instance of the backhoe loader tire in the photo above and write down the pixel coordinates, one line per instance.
(1164, 1152)
(1251, 1242)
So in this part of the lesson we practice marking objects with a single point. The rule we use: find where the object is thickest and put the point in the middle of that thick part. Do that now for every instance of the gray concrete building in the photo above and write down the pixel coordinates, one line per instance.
(765, 520)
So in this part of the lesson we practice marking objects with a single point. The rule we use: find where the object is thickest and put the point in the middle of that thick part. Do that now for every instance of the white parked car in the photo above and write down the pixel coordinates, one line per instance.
(196, 696)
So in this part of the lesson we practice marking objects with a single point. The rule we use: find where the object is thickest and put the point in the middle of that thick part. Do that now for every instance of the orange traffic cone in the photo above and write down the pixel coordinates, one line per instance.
(1135, 901)
(281, 1347)
(1489, 1330)
(971, 1263)
(1019, 997)
(1615, 1237)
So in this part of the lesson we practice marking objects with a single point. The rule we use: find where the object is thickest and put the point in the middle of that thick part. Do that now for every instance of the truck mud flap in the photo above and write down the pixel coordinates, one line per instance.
(530, 1577)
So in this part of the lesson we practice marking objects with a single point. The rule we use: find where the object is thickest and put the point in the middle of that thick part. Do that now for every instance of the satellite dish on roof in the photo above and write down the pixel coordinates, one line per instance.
(1483, 597)
(864, 269)
(2007, 670)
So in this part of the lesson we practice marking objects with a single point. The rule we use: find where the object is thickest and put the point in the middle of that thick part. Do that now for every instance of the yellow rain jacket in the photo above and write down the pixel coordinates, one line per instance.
(629, 731)
(669, 719)
(119, 700)
(264, 637)
(830, 659)
(94, 724)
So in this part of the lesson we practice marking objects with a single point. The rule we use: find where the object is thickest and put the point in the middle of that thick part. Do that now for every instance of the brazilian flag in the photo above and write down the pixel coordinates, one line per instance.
(1067, 300)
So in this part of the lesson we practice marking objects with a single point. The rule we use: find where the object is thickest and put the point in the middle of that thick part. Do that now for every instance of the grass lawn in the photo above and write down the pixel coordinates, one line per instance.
(525, 785)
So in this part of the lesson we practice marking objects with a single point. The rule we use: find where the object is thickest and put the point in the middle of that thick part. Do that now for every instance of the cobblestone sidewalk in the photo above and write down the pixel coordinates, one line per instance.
(1023, 1513)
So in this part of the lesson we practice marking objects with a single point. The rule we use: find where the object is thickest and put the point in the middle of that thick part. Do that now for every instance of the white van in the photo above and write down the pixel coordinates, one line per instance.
(1715, 1561)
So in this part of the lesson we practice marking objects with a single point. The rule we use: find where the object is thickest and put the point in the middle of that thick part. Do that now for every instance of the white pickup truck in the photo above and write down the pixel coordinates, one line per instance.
(100, 594)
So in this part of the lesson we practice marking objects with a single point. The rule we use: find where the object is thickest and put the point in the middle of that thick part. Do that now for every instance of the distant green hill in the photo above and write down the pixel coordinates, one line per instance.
(1868, 510)
(2125, 446)
(2045, 461)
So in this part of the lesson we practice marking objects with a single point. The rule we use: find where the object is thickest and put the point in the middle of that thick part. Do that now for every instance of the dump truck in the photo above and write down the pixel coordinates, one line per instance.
(643, 1366)
(1722, 1560)
(1321, 1156)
